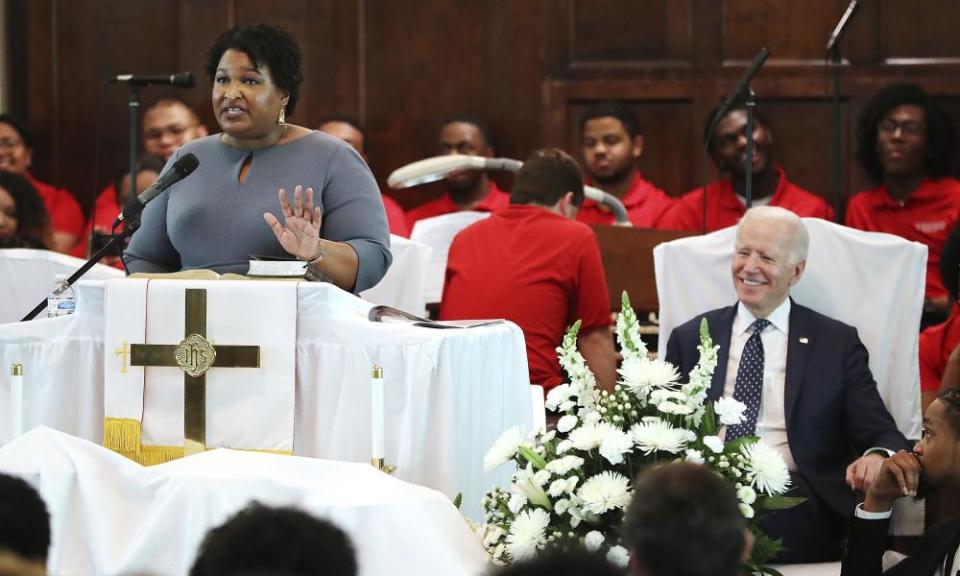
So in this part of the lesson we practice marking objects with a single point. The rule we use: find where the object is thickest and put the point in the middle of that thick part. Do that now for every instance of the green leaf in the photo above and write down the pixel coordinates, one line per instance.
(532, 457)
(458, 500)
(709, 423)
(778, 502)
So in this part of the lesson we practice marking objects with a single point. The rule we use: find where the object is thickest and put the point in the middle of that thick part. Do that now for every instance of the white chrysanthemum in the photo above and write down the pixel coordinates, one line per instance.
(604, 492)
(656, 435)
(593, 540)
(504, 448)
(557, 487)
(561, 466)
(641, 374)
(667, 394)
(674, 408)
(765, 468)
(747, 495)
(729, 410)
(563, 446)
(714, 443)
(694, 456)
(615, 444)
(618, 556)
(492, 535)
(587, 437)
(557, 396)
(566, 423)
(560, 506)
(746, 510)
(527, 534)
(541, 477)
(517, 502)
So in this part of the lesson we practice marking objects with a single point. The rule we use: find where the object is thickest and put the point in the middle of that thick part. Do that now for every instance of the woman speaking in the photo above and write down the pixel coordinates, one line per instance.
(228, 211)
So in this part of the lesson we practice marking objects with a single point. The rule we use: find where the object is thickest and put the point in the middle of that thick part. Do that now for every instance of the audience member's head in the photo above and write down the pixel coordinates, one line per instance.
(25, 524)
(684, 520)
(16, 145)
(939, 450)
(168, 125)
(904, 133)
(347, 129)
(464, 134)
(24, 222)
(770, 254)
(549, 178)
(728, 143)
(148, 168)
(264, 540)
(611, 142)
(561, 563)
(950, 263)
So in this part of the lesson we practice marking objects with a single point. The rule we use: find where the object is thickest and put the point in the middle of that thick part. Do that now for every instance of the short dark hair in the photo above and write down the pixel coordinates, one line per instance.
(941, 136)
(32, 219)
(739, 104)
(684, 520)
(266, 45)
(614, 109)
(951, 404)
(562, 563)
(348, 120)
(545, 177)
(476, 121)
(284, 540)
(25, 529)
(20, 127)
(950, 263)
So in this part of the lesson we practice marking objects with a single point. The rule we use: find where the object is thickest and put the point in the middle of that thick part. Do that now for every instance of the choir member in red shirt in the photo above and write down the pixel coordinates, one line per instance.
(612, 144)
(534, 265)
(905, 144)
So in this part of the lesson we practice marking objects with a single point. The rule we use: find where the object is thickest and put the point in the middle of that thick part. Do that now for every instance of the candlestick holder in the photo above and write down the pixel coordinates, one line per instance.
(382, 466)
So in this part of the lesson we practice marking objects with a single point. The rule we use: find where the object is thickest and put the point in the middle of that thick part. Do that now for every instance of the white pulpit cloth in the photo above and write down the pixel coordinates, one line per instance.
(404, 286)
(262, 314)
(872, 281)
(449, 394)
(438, 232)
(110, 515)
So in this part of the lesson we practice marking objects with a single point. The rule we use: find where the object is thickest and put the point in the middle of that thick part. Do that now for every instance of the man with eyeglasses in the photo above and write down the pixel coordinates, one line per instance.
(905, 144)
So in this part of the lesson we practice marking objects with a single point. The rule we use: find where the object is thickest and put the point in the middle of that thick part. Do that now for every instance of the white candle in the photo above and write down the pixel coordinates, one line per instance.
(16, 399)
(376, 413)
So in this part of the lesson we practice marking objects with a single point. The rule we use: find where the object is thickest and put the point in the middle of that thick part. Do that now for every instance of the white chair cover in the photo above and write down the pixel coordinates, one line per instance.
(438, 233)
(869, 280)
(27, 277)
(404, 285)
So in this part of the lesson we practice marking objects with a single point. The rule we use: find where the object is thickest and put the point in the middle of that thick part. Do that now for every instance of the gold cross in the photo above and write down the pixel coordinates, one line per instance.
(194, 356)
(123, 351)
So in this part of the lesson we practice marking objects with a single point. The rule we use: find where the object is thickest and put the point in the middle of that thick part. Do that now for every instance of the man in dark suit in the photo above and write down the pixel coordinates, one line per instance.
(804, 379)
(933, 464)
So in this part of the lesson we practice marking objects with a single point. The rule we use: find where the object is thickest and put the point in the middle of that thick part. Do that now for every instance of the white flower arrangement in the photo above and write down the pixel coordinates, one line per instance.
(572, 486)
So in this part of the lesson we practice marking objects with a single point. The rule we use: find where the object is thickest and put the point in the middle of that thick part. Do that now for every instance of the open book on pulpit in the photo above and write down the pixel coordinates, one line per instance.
(391, 315)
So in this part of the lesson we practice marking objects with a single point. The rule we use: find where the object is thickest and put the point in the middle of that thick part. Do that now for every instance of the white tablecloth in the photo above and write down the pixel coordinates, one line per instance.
(405, 284)
(449, 393)
(110, 515)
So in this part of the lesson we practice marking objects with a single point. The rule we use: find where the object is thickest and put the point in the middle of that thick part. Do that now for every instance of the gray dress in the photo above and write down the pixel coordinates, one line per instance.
(210, 220)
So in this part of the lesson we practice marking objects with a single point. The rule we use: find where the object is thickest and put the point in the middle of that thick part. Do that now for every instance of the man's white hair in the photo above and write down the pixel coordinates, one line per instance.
(798, 240)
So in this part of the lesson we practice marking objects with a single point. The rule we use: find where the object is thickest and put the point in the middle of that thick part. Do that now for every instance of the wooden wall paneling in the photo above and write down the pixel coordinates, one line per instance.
(635, 33)
(794, 32)
(706, 37)
(919, 31)
(199, 25)
(32, 77)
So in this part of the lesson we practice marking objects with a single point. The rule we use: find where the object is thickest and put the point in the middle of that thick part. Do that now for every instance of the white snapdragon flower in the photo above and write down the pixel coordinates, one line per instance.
(563, 446)
(504, 449)
(729, 411)
(714, 443)
(541, 477)
(618, 556)
(561, 506)
(557, 488)
(593, 540)
(557, 396)
(670, 407)
(765, 468)
(604, 492)
(566, 423)
(527, 534)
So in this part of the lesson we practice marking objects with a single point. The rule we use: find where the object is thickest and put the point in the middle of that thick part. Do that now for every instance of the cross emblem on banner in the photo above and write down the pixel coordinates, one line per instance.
(194, 355)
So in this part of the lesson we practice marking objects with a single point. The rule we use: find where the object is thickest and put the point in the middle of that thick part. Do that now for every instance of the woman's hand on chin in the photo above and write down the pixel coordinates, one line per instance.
(299, 234)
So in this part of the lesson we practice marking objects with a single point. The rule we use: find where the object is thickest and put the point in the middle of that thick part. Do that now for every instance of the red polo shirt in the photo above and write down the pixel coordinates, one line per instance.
(936, 344)
(927, 216)
(396, 217)
(494, 200)
(65, 213)
(645, 204)
(535, 268)
(105, 211)
(725, 209)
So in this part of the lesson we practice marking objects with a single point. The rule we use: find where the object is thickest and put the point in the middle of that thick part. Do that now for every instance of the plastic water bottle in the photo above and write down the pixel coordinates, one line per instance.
(62, 301)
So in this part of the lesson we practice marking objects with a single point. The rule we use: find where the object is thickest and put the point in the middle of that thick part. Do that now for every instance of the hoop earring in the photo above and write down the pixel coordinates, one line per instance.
(282, 120)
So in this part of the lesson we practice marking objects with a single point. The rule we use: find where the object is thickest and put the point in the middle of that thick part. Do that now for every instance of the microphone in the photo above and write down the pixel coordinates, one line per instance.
(181, 169)
(841, 28)
(742, 87)
(179, 80)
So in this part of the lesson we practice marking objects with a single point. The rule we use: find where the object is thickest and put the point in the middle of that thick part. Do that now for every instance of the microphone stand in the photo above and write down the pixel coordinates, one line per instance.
(751, 103)
(133, 115)
(835, 62)
(116, 238)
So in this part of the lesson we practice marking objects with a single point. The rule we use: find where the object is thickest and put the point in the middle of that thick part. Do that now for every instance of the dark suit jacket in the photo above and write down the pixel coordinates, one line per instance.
(868, 538)
(832, 407)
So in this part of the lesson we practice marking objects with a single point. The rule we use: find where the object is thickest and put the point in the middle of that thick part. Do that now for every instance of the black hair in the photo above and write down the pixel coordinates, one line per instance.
(264, 540)
(614, 109)
(25, 529)
(759, 118)
(940, 130)
(562, 563)
(266, 45)
(146, 162)
(684, 520)
(19, 127)
(951, 404)
(950, 263)
(545, 177)
(33, 222)
(475, 121)
(348, 120)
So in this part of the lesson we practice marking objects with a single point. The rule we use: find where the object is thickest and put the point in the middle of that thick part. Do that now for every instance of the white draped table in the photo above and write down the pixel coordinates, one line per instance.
(449, 393)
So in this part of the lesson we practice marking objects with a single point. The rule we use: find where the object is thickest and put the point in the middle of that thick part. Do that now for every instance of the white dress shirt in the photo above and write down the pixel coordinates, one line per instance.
(771, 422)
